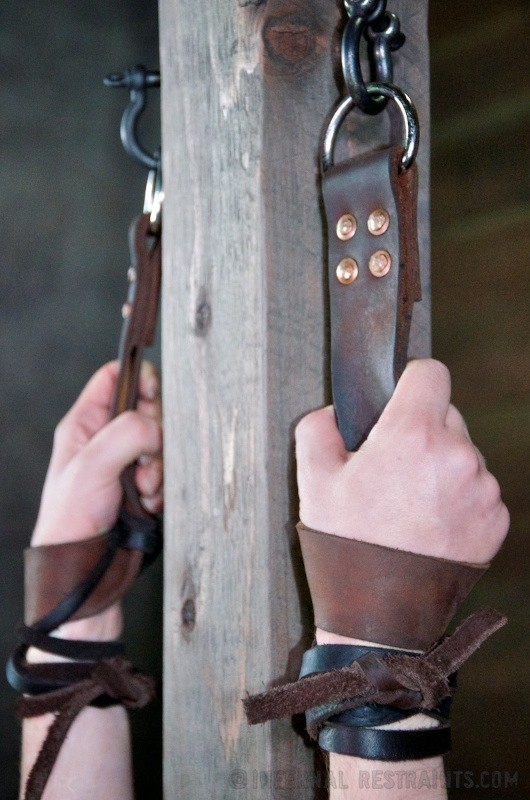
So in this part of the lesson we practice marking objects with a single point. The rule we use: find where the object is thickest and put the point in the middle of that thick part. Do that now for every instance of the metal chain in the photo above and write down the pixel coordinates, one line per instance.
(382, 31)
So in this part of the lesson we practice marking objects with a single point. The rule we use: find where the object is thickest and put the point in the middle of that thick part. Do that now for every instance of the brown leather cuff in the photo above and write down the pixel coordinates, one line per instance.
(380, 594)
(52, 572)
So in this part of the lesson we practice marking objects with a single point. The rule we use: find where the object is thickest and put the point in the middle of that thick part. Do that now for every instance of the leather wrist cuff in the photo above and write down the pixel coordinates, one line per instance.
(101, 568)
(71, 581)
(380, 594)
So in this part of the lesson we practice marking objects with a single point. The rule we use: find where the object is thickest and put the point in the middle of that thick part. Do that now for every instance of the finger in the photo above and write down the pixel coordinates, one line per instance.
(318, 440)
(121, 442)
(149, 478)
(88, 414)
(98, 392)
(422, 394)
(151, 408)
(153, 504)
(149, 384)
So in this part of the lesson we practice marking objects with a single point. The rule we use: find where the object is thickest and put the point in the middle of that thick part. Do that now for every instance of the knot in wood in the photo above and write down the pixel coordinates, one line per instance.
(291, 44)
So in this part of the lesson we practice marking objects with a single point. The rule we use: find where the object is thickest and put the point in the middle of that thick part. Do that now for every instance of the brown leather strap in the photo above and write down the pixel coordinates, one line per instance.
(379, 594)
(402, 681)
(370, 317)
(53, 571)
(115, 678)
(138, 331)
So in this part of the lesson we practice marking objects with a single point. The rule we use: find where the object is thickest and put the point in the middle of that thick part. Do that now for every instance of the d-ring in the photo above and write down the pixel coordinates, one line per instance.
(408, 112)
(154, 197)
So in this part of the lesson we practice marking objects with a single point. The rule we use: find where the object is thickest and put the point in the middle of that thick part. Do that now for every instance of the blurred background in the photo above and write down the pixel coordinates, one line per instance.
(480, 99)
(68, 194)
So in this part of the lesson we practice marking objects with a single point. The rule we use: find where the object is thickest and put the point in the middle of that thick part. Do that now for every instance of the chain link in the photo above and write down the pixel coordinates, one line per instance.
(382, 31)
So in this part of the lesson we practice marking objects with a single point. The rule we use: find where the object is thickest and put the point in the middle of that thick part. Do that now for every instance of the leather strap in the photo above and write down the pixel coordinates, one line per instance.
(370, 317)
(325, 657)
(382, 677)
(386, 745)
(138, 330)
(380, 594)
(73, 580)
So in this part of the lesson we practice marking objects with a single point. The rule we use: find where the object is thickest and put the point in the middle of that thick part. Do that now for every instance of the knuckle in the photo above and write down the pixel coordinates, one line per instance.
(504, 520)
(492, 491)
(463, 460)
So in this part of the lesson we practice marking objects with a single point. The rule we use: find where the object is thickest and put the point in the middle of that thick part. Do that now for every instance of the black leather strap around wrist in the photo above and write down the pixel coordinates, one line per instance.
(386, 745)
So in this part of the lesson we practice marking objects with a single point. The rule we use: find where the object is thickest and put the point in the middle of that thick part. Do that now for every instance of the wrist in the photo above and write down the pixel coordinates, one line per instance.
(325, 637)
(103, 627)
(417, 721)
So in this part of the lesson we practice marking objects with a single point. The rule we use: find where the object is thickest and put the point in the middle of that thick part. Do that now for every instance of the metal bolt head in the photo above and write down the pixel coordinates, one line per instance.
(346, 227)
(378, 221)
(131, 274)
(380, 262)
(126, 310)
(347, 270)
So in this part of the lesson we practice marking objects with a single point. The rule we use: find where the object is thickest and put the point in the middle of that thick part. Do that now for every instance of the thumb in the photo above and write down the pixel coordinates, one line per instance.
(121, 442)
(318, 440)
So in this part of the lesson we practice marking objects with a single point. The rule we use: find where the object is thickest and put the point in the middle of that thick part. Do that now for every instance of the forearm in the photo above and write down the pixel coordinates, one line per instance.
(359, 779)
(96, 754)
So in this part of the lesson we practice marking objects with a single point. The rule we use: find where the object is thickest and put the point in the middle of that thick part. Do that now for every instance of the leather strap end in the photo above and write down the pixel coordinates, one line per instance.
(381, 594)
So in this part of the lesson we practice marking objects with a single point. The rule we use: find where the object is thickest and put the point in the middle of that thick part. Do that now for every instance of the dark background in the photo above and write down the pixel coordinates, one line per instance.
(68, 194)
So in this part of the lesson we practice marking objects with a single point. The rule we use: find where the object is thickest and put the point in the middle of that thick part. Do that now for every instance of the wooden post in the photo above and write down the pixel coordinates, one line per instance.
(245, 91)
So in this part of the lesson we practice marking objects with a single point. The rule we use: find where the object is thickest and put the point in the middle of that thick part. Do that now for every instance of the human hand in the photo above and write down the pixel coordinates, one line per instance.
(82, 490)
(417, 483)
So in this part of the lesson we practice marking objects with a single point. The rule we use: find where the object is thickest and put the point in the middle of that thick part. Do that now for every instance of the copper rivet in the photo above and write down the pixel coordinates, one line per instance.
(131, 274)
(347, 270)
(346, 227)
(126, 310)
(378, 221)
(380, 262)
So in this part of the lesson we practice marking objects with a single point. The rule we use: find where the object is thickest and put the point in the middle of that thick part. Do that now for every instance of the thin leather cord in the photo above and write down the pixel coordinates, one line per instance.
(113, 677)
(418, 682)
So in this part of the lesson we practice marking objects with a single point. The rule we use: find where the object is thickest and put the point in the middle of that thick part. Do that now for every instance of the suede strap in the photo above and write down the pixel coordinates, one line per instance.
(399, 681)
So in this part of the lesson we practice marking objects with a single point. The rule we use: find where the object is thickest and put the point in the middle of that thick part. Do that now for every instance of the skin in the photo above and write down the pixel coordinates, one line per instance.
(89, 454)
(417, 483)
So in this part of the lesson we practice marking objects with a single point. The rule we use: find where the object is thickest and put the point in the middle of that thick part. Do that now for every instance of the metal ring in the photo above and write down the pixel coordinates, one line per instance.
(154, 197)
(408, 112)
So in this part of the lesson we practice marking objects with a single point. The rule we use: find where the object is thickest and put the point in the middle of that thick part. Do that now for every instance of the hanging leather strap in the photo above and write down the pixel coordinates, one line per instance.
(370, 316)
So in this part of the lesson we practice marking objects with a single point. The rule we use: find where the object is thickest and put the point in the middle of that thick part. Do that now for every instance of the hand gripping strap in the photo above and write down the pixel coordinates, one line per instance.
(379, 594)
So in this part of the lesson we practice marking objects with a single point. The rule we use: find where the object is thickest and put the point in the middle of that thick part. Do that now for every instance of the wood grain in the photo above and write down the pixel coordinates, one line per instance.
(246, 90)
